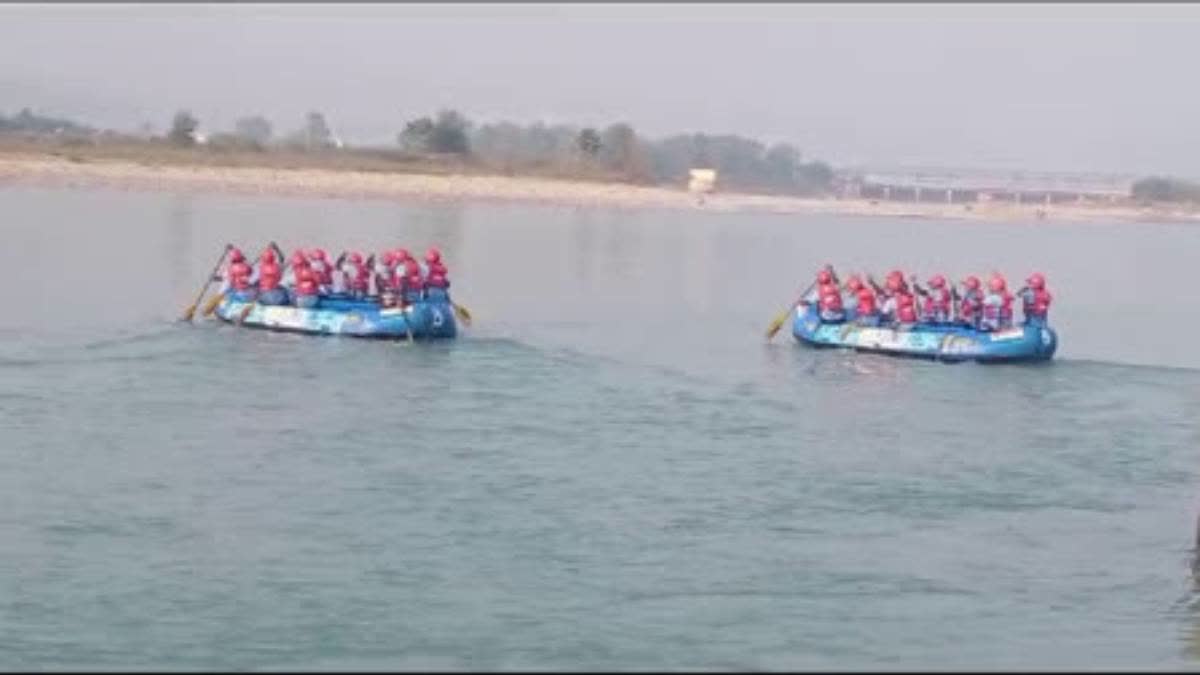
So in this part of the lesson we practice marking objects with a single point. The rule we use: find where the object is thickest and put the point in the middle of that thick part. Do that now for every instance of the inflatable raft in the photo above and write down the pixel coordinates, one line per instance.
(333, 315)
(943, 342)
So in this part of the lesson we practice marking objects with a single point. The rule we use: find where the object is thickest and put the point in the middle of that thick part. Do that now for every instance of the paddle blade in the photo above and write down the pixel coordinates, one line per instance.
(188, 313)
(212, 304)
(462, 314)
(777, 323)
(245, 313)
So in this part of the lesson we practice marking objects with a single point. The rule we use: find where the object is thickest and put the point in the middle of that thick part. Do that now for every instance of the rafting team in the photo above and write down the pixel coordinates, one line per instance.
(398, 278)
(896, 302)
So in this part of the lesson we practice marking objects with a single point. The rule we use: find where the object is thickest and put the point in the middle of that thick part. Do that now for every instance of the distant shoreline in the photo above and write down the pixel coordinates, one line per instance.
(53, 170)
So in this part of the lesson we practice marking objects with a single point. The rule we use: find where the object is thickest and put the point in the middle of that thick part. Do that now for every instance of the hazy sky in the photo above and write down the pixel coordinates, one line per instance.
(1074, 87)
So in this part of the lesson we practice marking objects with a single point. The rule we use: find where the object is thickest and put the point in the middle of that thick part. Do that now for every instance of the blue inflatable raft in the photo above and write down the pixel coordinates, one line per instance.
(942, 342)
(334, 315)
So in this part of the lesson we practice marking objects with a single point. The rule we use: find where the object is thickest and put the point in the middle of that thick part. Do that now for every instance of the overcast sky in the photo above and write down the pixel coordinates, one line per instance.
(1061, 87)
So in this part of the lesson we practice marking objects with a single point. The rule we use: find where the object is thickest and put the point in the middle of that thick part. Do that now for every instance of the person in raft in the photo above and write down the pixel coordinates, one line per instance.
(270, 280)
(236, 279)
(895, 303)
(997, 305)
(1035, 299)
(936, 301)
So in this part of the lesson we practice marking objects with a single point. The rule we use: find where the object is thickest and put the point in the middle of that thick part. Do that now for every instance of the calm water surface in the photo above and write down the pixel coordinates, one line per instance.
(611, 469)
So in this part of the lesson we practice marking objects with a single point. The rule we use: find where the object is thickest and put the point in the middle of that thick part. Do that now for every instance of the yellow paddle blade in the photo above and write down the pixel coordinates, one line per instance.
(188, 313)
(777, 323)
(462, 313)
(212, 304)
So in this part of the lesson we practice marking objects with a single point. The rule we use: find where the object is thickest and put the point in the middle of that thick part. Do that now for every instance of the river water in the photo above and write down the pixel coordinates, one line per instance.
(611, 469)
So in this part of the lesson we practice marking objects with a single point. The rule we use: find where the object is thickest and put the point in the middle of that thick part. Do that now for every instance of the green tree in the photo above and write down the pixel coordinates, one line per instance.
(256, 129)
(417, 135)
(316, 131)
(781, 163)
(588, 142)
(450, 133)
(183, 129)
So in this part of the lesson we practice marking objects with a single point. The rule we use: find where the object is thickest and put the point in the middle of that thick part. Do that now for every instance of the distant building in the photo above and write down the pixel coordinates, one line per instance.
(702, 181)
(955, 186)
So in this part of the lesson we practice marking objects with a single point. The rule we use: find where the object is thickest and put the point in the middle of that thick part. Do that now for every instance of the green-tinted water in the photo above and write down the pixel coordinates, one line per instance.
(610, 470)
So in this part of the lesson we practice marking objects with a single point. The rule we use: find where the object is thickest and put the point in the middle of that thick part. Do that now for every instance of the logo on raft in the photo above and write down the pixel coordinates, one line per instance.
(958, 344)
(1008, 334)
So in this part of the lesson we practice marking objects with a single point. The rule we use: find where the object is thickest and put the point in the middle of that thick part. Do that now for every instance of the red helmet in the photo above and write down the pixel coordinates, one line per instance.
(937, 281)
(388, 258)
(317, 254)
(997, 283)
(971, 282)
(433, 254)
(896, 274)
(410, 266)
(824, 277)
(235, 255)
(402, 254)
(893, 283)
(268, 256)
(298, 259)
(854, 283)
(356, 258)
(1036, 281)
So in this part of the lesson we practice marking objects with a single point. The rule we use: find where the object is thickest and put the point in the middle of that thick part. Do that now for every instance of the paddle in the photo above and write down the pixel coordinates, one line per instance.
(777, 323)
(211, 305)
(461, 312)
(191, 310)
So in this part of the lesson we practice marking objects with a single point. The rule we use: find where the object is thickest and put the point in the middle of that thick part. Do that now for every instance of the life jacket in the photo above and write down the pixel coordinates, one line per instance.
(970, 304)
(1035, 303)
(437, 268)
(937, 302)
(324, 272)
(268, 277)
(866, 302)
(360, 280)
(239, 276)
(1006, 307)
(993, 304)
(306, 282)
(906, 309)
(439, 281)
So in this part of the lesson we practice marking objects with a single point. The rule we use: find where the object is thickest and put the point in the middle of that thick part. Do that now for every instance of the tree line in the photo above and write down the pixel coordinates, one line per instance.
(615, 152)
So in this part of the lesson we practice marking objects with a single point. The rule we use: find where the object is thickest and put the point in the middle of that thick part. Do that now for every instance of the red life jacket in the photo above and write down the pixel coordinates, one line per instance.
(906, 309)
(268, 277)
(938, 301)
(361, 280)
(239, 276)
(1006, 309)
(439, 281)
(969, 305)
(866, 302)
(1040, 305)
(306, 282)
(831, 302)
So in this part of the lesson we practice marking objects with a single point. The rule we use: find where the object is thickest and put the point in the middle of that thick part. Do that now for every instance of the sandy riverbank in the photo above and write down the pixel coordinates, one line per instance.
(47, 170)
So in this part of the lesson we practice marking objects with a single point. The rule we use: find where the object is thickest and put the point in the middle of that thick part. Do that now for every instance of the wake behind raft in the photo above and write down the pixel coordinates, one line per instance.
(343, 315)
